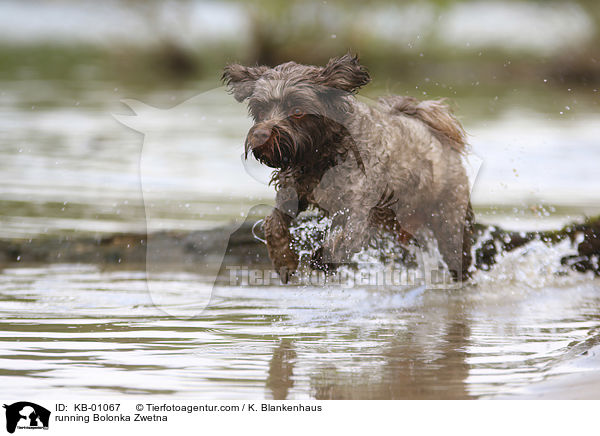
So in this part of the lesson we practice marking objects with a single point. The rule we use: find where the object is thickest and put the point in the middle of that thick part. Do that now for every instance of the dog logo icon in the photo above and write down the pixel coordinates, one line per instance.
(26, 415)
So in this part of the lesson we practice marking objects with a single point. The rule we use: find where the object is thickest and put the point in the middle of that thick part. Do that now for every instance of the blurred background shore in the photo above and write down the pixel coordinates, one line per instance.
(522, 76)
(480, 47)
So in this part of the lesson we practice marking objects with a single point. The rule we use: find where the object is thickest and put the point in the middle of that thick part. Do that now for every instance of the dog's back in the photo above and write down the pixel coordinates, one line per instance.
(435, 114)
(419, 156)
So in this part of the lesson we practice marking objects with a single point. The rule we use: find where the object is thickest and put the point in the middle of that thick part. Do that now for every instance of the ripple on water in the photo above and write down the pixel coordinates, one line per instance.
(88, 331)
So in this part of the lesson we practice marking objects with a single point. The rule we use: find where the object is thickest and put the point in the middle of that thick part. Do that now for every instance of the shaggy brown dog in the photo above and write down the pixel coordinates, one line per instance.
(396, 164)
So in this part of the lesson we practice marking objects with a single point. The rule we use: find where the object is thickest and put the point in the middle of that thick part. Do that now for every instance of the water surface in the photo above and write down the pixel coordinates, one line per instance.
(82, 332)
(71, 168)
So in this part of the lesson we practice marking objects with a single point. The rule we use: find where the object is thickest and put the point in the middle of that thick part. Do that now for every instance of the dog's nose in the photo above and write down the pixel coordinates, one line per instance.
(261, 135)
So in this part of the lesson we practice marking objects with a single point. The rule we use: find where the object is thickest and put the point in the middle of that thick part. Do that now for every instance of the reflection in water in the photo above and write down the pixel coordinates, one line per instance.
(281, 370)
(80, 331)
(407, 371)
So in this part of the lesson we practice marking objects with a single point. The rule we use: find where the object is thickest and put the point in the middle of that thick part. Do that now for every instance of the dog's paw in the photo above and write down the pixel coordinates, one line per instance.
(285, 264)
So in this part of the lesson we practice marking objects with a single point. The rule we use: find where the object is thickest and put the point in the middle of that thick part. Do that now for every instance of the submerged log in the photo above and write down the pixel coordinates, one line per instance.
(180, 248)
(492, 241)
(130, 249)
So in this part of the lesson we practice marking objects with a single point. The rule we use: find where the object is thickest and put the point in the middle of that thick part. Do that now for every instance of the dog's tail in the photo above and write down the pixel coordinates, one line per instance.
(436, 114)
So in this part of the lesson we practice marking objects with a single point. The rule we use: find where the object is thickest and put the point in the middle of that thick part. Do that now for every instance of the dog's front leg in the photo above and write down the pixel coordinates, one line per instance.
(277, 233)
(279, 240)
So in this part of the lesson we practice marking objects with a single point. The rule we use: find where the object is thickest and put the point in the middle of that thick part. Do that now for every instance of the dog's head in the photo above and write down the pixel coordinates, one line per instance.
(298, 109)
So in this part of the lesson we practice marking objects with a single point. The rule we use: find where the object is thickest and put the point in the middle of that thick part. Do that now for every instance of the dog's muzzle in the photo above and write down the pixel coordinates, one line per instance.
(268, 144)
(261, 135)
(259, 142)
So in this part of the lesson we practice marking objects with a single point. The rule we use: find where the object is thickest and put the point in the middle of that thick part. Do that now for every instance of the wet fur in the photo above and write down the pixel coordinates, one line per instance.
(396, 164)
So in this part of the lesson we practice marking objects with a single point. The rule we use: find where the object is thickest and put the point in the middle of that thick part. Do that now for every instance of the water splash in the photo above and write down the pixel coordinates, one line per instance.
(534, 265)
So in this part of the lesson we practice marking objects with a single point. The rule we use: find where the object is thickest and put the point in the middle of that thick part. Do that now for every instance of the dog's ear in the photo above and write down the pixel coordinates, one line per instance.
(344, 73)
(240, 80)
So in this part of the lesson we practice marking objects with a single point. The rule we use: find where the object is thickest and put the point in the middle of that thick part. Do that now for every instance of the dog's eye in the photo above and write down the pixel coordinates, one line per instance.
(297, 112)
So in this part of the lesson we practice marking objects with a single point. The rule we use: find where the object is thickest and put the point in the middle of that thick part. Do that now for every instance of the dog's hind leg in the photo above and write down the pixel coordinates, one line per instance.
(452, 226)
(383, 216)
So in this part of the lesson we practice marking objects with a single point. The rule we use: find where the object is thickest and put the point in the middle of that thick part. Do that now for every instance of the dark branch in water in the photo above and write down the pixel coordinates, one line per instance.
(181, 248)
(493, 241)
